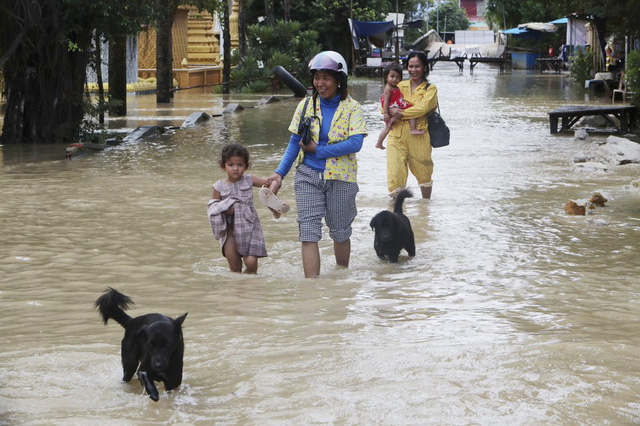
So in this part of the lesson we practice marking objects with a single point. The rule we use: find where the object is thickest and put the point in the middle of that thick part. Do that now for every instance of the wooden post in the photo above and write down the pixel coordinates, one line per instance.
(624, 121)
(553, 120)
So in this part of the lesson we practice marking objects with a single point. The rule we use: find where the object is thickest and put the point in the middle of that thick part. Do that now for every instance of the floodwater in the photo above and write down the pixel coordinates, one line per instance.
(511, 312)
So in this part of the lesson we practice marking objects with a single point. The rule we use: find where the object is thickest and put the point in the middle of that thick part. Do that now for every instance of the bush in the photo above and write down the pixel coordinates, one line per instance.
(248, 69)
(633, 77)
(284, 44)
(257, 86)
(580, 66)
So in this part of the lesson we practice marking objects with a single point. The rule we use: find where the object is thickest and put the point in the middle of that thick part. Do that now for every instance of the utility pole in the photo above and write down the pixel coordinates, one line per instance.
(397, 41)
(353, 47)
(438, 18)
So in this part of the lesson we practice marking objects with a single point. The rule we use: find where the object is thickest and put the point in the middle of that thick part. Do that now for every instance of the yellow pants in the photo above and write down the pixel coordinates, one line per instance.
(412, 152)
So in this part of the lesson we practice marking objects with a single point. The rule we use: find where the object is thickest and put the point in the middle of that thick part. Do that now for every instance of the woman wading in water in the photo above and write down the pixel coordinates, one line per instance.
(325, 181)
(407, 151)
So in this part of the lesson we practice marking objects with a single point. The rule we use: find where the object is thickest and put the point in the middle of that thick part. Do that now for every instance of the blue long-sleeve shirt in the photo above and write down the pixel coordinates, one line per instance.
(317, 160)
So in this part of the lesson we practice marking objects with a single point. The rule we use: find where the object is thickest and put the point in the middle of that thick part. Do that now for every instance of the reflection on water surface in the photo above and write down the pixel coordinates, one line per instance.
(511, 312)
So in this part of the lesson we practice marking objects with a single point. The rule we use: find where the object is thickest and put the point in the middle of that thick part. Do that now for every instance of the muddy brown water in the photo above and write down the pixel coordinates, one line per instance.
(511, 312)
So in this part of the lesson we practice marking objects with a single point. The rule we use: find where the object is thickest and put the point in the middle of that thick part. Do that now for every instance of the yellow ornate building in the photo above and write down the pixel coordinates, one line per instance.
(196, 46)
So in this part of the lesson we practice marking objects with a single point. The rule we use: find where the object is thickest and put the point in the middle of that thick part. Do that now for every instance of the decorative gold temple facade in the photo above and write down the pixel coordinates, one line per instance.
(196, 47)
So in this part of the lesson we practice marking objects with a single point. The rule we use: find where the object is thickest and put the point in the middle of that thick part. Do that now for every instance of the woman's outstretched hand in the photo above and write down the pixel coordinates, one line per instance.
(274, 178)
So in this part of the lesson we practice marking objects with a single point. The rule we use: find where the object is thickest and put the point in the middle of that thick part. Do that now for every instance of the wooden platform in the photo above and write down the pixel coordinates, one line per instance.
(571, 114)
(459, 60)
(475, 60)
(369, 71)
(549, 64)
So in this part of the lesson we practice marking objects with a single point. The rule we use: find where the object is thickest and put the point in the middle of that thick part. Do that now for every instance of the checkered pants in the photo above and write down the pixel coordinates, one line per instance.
(317, 198)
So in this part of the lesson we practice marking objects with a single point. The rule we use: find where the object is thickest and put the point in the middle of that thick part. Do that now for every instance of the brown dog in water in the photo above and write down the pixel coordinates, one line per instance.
(152, 345)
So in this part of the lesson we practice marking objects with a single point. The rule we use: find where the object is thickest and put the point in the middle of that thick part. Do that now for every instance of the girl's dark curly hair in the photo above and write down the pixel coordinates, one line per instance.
(234, 150)
(391, 67)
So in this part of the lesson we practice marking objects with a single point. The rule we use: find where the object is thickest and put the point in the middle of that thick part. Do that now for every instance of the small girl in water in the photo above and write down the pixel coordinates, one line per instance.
(233, 217)
(392, 98)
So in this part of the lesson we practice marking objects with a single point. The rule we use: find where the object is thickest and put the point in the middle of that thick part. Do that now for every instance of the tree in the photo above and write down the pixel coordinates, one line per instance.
(622, 17)
(242, 28)
(226, 55)
(47, 45)
(118, 73)
(505, 14)
(449, 16)
(116, 21)
(633, 77)
(269, 11)
(285, 43)
(46, 49)
(327, 17)
(164, 50)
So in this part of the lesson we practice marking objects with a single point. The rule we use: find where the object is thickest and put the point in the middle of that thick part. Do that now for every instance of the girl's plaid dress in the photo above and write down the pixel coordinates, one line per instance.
(244, 223)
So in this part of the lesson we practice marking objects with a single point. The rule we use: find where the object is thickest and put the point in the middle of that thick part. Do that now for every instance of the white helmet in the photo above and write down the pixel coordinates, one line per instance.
(329, 60)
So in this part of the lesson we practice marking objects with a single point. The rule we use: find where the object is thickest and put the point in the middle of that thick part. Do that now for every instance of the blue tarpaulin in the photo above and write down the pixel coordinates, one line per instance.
(515, 31)
(371, 28)
(560, 21)
(522, 30)
(523, 33)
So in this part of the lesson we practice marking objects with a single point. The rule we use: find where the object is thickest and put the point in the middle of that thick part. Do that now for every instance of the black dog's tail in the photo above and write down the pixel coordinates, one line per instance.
(397, 205)
(112, 305)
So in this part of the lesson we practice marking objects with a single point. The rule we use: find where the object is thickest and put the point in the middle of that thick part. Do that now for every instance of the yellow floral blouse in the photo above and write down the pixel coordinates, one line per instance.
(348, 120)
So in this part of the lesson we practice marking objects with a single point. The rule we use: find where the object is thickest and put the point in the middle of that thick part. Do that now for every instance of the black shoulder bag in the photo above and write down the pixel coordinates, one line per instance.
(304, 127)
(438, 130)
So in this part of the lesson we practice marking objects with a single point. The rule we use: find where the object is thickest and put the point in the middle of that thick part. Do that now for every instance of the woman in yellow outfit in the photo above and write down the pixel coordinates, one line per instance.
(404, 150)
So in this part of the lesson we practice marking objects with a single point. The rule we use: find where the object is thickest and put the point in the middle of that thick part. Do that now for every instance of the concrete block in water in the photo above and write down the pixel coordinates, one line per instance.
(143, 132)
(232, 108)
(195, 118)
(580, 134)
(268, 100)
(618, 151)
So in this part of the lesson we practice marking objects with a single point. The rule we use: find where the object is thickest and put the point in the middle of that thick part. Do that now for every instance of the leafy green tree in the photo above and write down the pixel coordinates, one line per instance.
(165, 12)
(622, 17)
(46, 46)
(633, 77)
(283, 43)
(504, 14)
(329, 17)
(114, 22)
(448, 16)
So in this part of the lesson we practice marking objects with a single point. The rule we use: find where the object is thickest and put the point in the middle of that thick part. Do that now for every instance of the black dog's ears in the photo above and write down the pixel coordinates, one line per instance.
(372, 224)
(178, 321)
(142, 332)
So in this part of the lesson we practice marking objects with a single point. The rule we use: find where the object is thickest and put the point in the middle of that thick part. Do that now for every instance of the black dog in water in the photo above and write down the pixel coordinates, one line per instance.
(152, 343)
(393, 231)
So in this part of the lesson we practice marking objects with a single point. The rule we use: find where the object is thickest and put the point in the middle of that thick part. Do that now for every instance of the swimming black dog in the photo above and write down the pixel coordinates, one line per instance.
(152, 345)
(393, 231)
